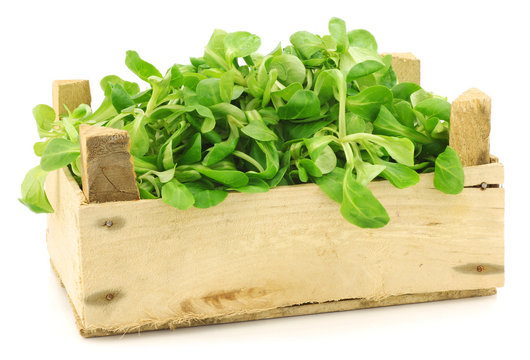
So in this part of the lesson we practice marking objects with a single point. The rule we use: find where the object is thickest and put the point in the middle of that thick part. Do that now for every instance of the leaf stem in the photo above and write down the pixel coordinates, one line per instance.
(249, 159)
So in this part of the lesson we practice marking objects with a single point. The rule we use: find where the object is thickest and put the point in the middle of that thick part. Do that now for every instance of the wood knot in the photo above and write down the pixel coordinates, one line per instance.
(109, 297)
(480, 268)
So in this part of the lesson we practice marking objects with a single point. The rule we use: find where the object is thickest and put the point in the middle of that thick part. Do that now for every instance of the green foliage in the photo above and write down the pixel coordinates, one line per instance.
(325, 109)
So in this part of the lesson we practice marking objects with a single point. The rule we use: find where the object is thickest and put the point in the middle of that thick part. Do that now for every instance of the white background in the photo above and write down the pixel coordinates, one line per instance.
(461, 44)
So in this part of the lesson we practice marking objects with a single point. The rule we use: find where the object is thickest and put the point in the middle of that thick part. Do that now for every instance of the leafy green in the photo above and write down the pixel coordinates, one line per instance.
(33, 195)
(324, 109)
(59, 153)
(448, 172)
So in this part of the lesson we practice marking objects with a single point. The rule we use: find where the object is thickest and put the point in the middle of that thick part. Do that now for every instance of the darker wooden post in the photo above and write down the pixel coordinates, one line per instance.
(71, 93)
(470, 127)
(107, 170)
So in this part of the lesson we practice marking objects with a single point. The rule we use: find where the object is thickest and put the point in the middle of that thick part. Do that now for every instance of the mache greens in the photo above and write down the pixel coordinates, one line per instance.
(324, 109)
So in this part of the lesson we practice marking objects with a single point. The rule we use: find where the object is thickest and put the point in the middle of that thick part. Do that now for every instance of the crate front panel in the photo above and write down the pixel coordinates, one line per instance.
(285, 247)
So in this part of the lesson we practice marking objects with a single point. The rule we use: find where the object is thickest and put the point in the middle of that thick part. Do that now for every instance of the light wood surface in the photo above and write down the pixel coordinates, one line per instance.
(62, 234)
(70, 93)
(156, 264)
(107, 166)
(470, 127)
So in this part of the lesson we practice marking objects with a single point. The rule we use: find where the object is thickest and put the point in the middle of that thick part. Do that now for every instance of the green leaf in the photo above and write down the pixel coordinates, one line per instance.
(220, 151)
(400, 149)
(214, 53)
(404, 90)
(303, 104)
(404, 113)
(140, 67)
(177, 80)
(257, 129)
(359, 206)
(434, 107)
(368, 102)
(208, 92)
(366, 172)
(177, 195)
(131, 88)
(316, 145)
(38, 147)
(33, 194)
(399, 175)
(255, 185)
(448, 172)
(311, 168)
(269, 151)
(290, 69)
(326, 161)
(120, 98)
(337, 29)
(387, 124)
(232, 178)
(59, 153)
(363, 39)
(206, 197)
(288, 92)
(165, 156)
(363, 69)
(241, 44)
(44, 116)
(331, 184)
(192, 154)
(139, 136)
(306, 44)
(226, 86)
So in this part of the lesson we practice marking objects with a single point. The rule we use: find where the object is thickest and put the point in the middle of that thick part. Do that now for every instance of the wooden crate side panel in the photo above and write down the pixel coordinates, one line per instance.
(294, 310)
(157, 263)
(62, 235)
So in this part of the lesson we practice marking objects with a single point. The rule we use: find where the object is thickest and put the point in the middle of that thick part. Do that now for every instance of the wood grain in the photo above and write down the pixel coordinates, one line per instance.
(70, 94)
(107, 166)
(62, 234)
(156, 263)
(469, 133)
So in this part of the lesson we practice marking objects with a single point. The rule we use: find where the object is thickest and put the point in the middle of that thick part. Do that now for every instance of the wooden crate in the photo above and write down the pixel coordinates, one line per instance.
(131, 266)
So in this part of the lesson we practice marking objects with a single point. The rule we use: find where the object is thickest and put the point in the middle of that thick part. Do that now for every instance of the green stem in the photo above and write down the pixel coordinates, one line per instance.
(249, 159)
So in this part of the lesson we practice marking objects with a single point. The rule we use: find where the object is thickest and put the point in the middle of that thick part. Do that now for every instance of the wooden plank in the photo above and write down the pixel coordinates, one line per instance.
(469, 133)
(70, 93)
(239, 258)
(62, 235)
(107, 165)
(287, 311)
(406, 66)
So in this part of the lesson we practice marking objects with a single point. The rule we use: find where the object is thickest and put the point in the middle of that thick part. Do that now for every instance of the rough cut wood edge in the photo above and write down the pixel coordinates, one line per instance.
(107, 165)
(469, 133)
(287, 311)
(71, 93)
(299, 310)
(62, 234)
(406, 66)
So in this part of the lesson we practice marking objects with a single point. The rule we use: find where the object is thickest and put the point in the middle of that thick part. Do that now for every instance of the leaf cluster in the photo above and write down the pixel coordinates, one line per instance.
(324, 109)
